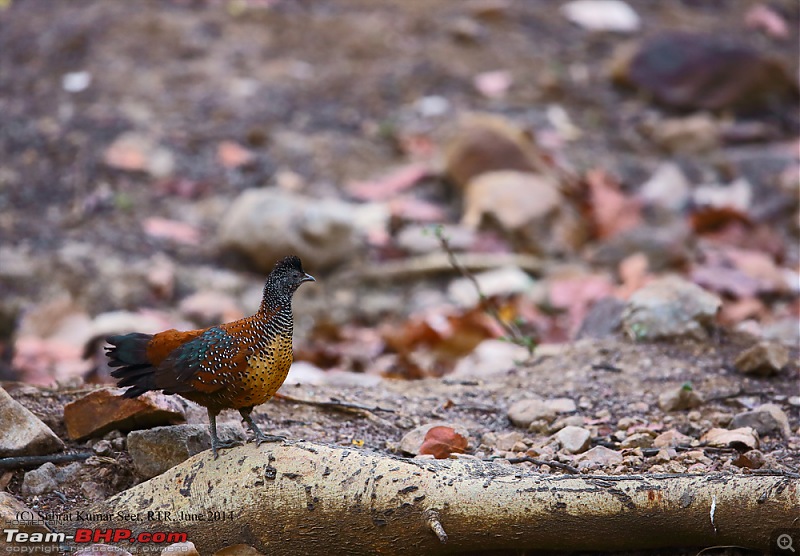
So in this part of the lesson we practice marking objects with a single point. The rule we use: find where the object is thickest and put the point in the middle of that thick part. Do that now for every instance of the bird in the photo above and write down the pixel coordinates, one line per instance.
(236, 365)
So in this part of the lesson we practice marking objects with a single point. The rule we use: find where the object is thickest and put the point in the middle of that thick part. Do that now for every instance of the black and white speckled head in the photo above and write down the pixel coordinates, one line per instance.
(282, 282)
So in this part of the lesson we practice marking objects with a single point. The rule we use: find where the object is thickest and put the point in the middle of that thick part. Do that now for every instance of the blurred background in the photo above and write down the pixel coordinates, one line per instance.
(157, 158)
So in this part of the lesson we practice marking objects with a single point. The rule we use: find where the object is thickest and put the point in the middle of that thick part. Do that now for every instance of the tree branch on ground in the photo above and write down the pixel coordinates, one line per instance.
(306, 498)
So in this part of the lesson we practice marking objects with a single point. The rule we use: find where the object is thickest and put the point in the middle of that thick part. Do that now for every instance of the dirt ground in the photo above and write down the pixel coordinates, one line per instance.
(325, 93)
(612, 381)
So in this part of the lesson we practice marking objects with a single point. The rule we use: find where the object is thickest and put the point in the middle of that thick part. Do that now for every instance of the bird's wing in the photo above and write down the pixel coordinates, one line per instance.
(201, 363)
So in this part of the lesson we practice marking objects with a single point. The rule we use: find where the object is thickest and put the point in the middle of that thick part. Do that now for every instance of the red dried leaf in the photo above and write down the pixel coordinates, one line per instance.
(708, 218)
(416, 210)
(179, 232)
(577, 294)
(610, 209)
(126, 155)
(442, 441)
(233, 155)
(389, 186)
(764, 18)
(633, 273)
(493, 84)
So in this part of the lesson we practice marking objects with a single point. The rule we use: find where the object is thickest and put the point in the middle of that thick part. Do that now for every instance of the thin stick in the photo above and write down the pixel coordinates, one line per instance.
(22, 462)
(514, 333)
(557, 464)
(333, 404)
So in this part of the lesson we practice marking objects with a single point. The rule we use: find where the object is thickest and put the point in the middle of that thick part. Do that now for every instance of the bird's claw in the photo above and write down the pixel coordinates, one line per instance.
(221, 444)
(262, 438)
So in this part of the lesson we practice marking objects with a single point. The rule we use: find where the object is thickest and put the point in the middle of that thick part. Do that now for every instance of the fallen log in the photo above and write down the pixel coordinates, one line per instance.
(308, 498)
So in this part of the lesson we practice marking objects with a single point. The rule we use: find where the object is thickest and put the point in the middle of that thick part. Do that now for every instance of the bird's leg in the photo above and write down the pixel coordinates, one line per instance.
(259, 436)
(216, 443)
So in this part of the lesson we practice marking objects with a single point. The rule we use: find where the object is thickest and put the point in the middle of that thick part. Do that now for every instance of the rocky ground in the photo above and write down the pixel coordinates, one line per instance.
(634, 220)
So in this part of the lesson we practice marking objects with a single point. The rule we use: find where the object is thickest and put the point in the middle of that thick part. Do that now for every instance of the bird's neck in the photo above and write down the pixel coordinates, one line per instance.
(273, 306)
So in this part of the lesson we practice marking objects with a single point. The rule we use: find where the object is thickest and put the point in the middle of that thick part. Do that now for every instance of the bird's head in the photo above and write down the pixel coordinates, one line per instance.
(284, 280)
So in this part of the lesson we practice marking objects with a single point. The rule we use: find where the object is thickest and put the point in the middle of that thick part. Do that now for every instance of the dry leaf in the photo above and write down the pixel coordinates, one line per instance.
(493, 84)
(442, 441)
(611, 210)
(389, 186)
(764, 18)
(233, 155)
(576, 295)
(411, 209)
(179, 232)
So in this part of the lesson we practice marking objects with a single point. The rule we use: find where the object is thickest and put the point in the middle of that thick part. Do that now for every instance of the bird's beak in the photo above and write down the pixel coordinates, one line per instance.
(307, 278)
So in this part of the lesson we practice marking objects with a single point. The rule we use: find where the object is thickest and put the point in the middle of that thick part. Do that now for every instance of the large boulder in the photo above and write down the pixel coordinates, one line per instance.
(268, 224)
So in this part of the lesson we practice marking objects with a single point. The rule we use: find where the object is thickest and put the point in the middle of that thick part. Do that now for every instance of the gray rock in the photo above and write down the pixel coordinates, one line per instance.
(498, 282)
(602, 15)
(764, 359)
(698, 133)
(765, 419)
(22, 433)
(671, 438)
(603, 320)
(668, 308)
(598, 456)
(574, 439)
(571, 420)
(666, 246)
(507, 441)
(744, 438)
(266, 225)
(679, 398)
(103, 448)
(523, 412)
(491, 357)
(561, 405)
(93, 491)
(638, 440)
(40, 480)
(156, 450)
(527, 206)
(668, 187)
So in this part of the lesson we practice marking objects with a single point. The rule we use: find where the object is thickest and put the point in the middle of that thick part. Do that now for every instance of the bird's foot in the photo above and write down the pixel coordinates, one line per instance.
(217, 444)
(260, 438)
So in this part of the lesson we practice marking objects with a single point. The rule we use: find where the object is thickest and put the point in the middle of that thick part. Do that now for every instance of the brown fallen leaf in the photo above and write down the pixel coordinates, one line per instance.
(575, 295)
(442, 441)
(434, 341)
(633, 273)
(709, 219)
(735, 311)
(232, 155)
(758, 237)
(389, 186)
(179, 232)
(764, 18)
(742, 273)
(611, 210)
(126, 155)
(411, 209)
(709, 72)
(493, 84)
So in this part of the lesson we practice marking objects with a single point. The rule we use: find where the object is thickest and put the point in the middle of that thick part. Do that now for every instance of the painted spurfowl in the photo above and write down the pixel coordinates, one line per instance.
(237, 365)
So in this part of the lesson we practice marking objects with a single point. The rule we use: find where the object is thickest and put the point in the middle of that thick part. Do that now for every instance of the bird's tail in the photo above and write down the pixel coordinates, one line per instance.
(128, 352)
